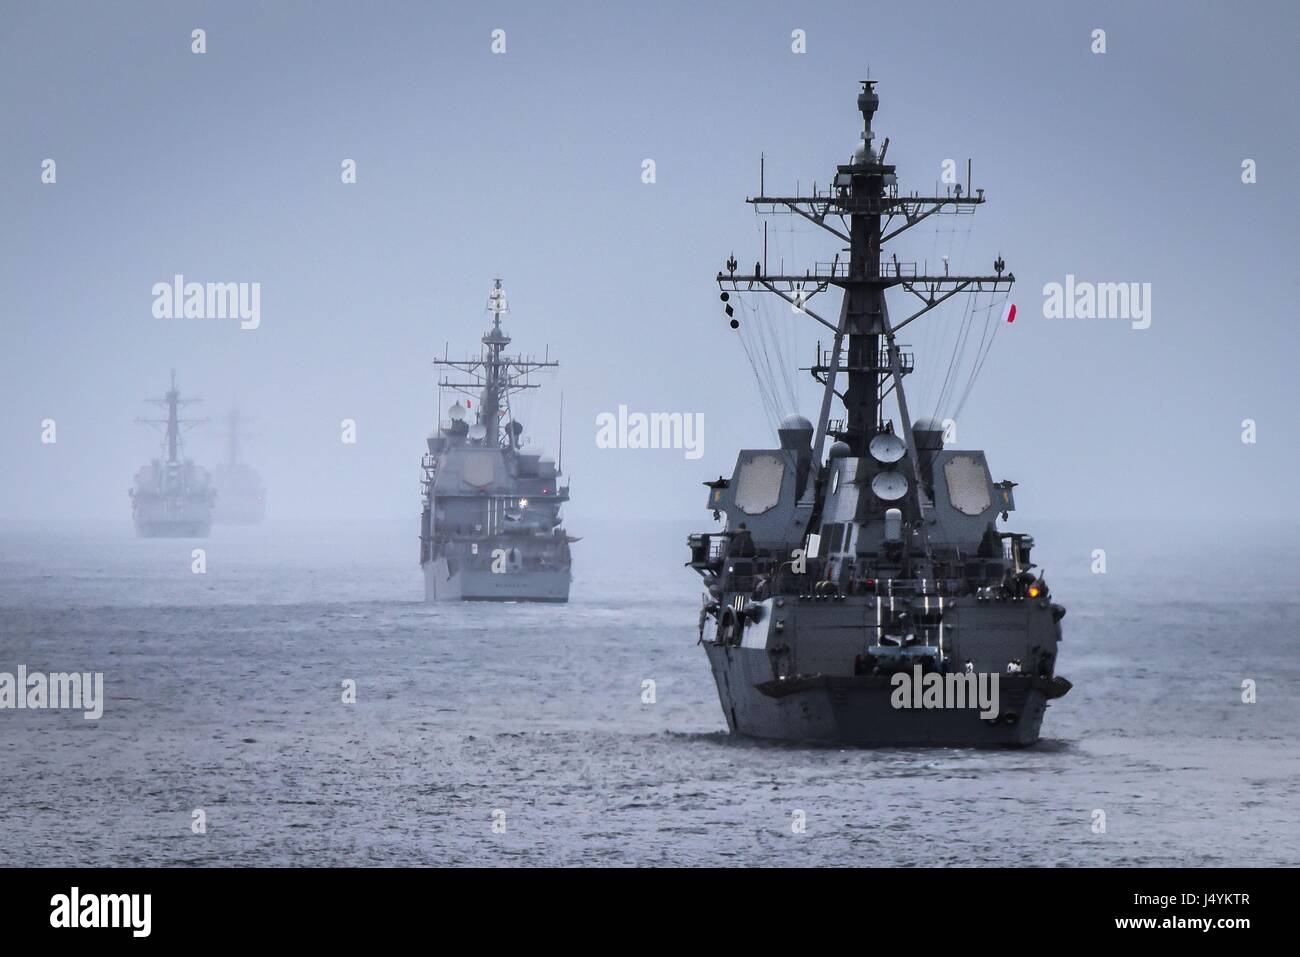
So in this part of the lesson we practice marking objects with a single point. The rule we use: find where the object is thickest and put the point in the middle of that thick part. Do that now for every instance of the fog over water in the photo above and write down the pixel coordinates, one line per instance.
(223, 689)
(226, 167)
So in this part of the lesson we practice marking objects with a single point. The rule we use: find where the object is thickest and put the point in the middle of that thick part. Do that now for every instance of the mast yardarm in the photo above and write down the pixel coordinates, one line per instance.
(864, 209)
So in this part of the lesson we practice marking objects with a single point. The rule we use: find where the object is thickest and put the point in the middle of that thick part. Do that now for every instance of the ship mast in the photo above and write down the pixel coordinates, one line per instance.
(173, 424)
(495, 376)
(863, 209)
(494, 340)
(234, 433)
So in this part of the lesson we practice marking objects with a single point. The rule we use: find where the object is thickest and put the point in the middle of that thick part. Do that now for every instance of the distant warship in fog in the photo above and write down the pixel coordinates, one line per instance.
(172, 496)
(241, 496)
(490, 526)
(843, 586)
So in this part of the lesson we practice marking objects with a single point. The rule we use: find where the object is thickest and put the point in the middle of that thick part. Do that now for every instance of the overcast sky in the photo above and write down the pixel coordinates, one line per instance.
(1117, 167)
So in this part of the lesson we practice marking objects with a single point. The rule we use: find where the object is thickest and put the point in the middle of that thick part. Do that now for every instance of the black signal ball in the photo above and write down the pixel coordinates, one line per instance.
(724, 296)
(735, 323)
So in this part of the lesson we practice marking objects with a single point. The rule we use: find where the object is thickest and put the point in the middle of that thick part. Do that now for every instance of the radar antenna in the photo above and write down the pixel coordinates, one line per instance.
(495, 376)
(864, 208)
(172, 426)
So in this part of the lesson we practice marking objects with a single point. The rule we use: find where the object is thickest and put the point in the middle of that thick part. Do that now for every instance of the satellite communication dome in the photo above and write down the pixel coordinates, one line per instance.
(795, 422)
(477, 433)
(887, 448)
(457, 413)
(889, 486)
(840, 450)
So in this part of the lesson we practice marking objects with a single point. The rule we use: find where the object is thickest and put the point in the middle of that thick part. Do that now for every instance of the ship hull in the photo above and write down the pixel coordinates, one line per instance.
(173, 529)
(857, 711)
(160, 518)
(241, 498)
(441, 583)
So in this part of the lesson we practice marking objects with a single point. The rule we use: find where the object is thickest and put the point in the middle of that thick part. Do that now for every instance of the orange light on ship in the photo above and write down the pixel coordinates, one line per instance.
(1035, 590)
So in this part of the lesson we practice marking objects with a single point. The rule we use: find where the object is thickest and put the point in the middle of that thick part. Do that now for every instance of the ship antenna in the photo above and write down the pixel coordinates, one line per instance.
(559, 465)
(173, 425)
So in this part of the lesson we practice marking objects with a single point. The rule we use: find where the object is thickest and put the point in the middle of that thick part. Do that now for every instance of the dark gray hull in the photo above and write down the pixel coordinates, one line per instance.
(857, 711)
(442, 584)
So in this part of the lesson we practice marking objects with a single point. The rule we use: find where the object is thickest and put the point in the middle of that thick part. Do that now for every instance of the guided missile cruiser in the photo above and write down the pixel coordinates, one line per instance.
(490, 524)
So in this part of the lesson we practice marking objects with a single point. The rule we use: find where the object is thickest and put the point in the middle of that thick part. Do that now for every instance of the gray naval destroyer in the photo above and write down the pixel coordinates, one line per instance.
(490, 526)
(172, 497)
(241, 496)
(836, 581)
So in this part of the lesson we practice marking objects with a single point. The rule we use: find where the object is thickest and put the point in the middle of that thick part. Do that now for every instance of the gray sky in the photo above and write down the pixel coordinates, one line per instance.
(1120, 167)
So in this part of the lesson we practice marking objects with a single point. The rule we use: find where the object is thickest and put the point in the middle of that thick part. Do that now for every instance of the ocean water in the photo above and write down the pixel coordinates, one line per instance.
(224, 693)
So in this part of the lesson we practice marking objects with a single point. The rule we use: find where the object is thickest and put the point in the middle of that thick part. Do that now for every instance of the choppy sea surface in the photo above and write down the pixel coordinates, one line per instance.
(224, 693)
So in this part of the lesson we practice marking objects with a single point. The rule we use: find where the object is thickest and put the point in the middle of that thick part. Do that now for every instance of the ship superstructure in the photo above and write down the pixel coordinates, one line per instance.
(490, 523)
(172, 497)
(241, 496)
(846, 587)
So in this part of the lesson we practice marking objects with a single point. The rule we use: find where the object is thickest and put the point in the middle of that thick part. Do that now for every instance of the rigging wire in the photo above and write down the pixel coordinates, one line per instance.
(962, 346)
(771, 338)
(952, 359)
(787, 326)
(936, 341)
(759, 341)
(762, 379)
(995, 317)
(961, 354)
(774, 354)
